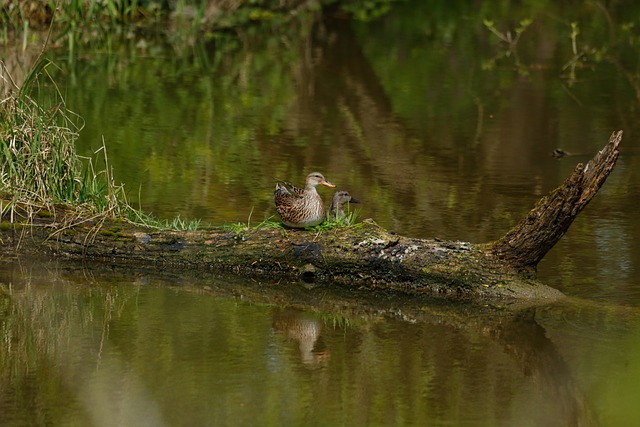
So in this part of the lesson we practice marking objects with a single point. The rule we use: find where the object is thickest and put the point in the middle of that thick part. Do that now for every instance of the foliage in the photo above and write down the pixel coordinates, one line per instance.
(349, 220)
(178, 223)
(240, 229)
(368, 10)
(38, 160)
(76, 22)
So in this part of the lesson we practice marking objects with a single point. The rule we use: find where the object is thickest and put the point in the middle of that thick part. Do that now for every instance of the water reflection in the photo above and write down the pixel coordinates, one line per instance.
(305, 330)
(326, 99)
(541, 362)
(196, 351)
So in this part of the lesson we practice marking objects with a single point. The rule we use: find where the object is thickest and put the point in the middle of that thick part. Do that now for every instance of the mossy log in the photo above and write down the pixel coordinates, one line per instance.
(363, 255)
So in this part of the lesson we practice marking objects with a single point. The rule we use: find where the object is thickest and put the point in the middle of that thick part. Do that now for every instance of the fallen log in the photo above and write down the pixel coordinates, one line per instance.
(363, 255)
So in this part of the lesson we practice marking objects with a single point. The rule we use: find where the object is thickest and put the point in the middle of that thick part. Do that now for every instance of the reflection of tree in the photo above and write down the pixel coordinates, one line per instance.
(349, 111)
(405, 179)
(394, 122)
(55, 338)
(446, 354)
(526, 341)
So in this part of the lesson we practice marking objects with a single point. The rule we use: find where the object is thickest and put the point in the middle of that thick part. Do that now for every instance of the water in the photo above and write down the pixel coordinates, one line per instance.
(415, 116)
(105, 346)
(124, 349)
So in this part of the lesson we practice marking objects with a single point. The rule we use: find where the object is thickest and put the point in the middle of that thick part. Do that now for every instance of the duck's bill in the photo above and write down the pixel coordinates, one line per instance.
(352, 200)
(328, 184)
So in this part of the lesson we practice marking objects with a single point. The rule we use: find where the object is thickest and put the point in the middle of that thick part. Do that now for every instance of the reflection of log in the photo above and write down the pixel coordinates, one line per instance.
(364, 255)
(526, 341)
(380, 341)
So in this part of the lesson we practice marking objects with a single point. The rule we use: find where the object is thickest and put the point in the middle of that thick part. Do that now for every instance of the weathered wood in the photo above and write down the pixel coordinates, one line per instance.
(364, 255)
(524, 246)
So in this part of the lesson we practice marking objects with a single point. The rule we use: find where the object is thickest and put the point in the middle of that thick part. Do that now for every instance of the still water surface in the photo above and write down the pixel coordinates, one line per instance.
(440, 131)
(94, 347)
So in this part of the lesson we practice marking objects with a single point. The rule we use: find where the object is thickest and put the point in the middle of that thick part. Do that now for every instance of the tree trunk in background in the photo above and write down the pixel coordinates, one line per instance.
(364, 255)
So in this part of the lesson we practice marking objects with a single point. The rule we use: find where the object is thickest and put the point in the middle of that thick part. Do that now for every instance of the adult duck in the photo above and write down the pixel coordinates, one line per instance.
(301, 207)
(336, 211)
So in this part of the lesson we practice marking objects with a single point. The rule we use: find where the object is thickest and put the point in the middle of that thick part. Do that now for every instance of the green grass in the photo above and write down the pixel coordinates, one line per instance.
(37, 155)
(239, 229)
(77, 23)
(179, 224)
(330, 223)
(39, 166)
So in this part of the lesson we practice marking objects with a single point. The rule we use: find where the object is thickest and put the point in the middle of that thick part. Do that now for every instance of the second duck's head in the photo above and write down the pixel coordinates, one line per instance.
(341, 197)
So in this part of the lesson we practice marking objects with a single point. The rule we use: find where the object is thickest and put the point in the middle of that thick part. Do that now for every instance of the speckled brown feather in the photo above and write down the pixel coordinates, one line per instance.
(290, 188)
(298, 207)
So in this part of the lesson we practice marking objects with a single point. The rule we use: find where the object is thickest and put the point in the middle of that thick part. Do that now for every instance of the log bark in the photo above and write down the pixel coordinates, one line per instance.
(363, 255)
(524, 246)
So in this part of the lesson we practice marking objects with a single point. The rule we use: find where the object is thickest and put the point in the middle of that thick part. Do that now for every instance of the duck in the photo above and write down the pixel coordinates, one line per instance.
(559, 153)
(301, 207)
(340, 198)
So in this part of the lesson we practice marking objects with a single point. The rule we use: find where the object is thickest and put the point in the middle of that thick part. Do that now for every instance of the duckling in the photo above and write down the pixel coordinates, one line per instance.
(340, 197)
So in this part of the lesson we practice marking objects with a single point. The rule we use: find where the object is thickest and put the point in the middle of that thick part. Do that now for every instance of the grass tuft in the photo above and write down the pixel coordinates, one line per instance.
(349, 220)
(239, 229)
(176, 224)
(39, 166)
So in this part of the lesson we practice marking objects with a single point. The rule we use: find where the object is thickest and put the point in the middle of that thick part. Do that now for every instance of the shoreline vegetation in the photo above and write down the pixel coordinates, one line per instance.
(73, 21)
(39, 166)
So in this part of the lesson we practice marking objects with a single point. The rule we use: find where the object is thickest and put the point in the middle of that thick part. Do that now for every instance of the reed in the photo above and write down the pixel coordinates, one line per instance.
(39, 166)
(38, 161)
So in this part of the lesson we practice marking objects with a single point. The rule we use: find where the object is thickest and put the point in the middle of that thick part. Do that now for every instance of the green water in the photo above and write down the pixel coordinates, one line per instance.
(440, 130)
(106, 347)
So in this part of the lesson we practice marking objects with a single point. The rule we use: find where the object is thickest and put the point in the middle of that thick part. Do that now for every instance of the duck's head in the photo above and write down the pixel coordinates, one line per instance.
(315, 178)
(341, 197)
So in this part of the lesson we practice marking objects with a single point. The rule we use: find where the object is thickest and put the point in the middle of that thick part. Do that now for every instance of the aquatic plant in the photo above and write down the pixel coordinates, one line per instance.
(39, 166)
